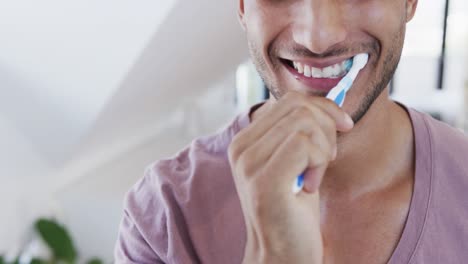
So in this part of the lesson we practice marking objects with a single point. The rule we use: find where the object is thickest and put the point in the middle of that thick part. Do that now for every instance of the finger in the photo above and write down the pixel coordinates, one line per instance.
(314, 173)
(344, 122)
(274, 111)
(316, 124)
(291, 158)
(328, 130)
(295, 99)
(313, 178)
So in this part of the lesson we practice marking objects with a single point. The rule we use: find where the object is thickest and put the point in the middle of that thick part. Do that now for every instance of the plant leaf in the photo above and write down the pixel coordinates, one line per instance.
(95, 261)
(16, 261)
(58, 239)
(38, 261)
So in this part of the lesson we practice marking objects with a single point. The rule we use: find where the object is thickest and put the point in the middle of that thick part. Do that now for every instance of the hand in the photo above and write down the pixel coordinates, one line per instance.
(295, 134)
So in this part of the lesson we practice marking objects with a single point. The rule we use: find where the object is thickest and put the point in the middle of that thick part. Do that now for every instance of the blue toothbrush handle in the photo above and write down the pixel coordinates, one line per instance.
(299, 184)
(339, 100)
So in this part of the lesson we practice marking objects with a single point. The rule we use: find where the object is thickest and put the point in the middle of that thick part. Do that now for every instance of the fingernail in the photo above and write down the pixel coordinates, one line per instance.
(349, 120)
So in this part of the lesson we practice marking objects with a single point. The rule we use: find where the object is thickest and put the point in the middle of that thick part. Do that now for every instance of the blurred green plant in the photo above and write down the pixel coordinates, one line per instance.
(38, 261)
(95, 261)
(59, 241)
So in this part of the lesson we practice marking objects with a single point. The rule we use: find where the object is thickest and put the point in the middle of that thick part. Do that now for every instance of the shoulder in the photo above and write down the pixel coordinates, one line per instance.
(446, 152)
(203, 163)
(180, 192)
(443, 174)
(168, 184)
(174, 175)
(449, 145)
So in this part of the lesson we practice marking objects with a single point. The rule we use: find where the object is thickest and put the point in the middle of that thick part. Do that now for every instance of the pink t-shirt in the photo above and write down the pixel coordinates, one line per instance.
(186, 208)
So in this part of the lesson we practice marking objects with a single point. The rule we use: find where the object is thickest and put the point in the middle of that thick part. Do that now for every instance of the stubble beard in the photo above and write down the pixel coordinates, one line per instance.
(372, 92)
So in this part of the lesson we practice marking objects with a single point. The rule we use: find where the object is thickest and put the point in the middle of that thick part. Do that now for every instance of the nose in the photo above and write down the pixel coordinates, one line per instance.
(319, 25)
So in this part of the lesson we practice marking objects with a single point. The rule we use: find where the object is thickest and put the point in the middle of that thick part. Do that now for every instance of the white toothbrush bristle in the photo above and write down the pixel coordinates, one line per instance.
(360, 60)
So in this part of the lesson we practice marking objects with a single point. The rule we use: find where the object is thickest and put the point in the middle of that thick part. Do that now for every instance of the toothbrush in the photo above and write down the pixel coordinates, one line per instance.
(337, 95)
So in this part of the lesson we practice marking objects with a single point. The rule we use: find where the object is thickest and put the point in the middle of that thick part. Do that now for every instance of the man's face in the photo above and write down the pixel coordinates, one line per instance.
(322, 35)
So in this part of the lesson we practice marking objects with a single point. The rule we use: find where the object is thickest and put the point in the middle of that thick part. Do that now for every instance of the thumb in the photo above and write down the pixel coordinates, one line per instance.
(313, 178)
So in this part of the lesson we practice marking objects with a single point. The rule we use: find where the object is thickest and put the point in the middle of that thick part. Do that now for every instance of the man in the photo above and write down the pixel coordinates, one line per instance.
(383, 183)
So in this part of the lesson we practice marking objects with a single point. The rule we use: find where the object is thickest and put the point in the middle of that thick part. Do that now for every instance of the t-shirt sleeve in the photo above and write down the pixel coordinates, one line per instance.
(143, 223)
(131, 247)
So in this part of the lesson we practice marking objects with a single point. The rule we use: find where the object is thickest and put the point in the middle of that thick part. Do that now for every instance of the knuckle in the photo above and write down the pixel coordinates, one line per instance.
(301, 113)
(309, 120)
(325, 142)
(329, 124)
(297, 140)
(258, 200)
(318, 153)
(282, 129)
(327, 154)
(319, 119)
(308, 145)
(257, 204)
(321, 157)
(235, 148)
(246, 165)
(234, 151)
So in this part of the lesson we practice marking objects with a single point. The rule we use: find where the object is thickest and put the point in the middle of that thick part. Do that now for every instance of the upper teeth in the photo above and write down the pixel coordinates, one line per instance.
(333, 71)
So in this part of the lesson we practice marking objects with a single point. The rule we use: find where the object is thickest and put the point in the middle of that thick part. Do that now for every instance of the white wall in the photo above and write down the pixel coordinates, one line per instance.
(19, 167)
(416, 77)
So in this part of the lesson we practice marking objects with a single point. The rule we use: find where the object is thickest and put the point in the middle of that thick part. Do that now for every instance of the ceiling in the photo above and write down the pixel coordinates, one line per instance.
(80, 77)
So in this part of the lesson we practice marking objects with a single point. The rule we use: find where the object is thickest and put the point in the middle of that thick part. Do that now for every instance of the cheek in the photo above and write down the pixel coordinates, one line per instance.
(381, 19)
(264, 22)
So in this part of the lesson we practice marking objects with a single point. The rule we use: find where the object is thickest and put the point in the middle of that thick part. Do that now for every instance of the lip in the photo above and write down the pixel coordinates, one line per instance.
(320, 84)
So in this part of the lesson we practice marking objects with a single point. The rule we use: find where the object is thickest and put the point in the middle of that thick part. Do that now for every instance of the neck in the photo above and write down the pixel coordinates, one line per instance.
(376, 154)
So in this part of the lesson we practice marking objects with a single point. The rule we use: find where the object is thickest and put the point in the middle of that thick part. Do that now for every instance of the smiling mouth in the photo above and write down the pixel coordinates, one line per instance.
(334, 71)
(317, 77)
